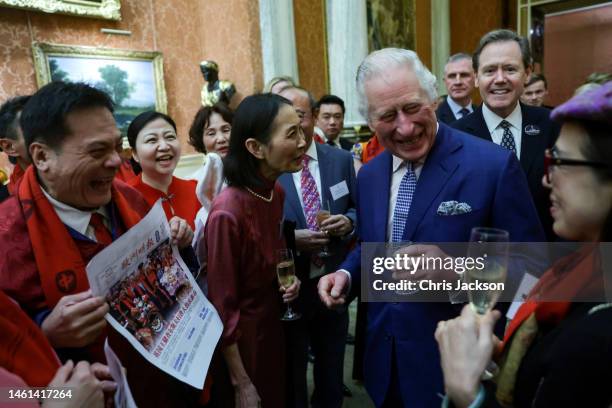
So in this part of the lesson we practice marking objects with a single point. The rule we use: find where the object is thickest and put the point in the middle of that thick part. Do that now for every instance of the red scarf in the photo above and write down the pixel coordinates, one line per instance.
(58, 260)
(24, 349)
(125, 173)
(14, 178)
(372, 149)
(574, 277)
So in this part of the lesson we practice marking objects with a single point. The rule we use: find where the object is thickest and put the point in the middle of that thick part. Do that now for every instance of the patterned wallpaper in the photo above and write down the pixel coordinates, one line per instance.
(180, 29)
(309, 17)
(231, 37)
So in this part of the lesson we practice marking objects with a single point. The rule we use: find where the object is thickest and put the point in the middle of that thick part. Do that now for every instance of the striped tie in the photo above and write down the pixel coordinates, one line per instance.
(312, 203)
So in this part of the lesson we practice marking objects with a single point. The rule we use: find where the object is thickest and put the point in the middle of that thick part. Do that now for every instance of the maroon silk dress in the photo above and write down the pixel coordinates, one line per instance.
(242, 236)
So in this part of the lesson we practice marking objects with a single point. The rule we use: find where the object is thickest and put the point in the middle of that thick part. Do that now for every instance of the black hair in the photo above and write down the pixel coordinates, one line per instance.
(143, 120)
(330, 100)
(8, 116)
(254, 118)
(599, 147)
(43, 117)
(533, 78)
(502, 36)
(200, 121)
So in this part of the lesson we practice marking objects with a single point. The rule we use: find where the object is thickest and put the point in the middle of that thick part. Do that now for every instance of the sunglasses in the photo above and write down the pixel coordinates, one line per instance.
(551, 159)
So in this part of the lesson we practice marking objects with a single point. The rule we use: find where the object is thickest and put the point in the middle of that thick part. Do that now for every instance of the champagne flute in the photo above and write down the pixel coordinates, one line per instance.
(323, 214)
(285, 271)
(491, 245)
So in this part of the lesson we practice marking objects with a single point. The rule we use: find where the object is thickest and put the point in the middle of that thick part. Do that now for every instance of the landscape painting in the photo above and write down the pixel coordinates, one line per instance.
(133, 79)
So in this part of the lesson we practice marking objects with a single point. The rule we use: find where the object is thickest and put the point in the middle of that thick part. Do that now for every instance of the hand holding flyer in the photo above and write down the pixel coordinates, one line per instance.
(154, 300)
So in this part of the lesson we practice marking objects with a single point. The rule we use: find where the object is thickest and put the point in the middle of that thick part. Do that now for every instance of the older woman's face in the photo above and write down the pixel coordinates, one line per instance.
(284, 151)
(157, 148)
(216, 135)
(580, 201)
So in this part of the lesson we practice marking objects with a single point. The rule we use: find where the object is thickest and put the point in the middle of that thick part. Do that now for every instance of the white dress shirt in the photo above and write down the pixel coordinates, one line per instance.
(76, 219)
(313, 167)
(493, 122)
(455, 107)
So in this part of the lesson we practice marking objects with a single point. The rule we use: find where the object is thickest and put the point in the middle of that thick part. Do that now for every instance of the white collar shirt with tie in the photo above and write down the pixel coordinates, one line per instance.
(76, 219)
(313, 167)
(493, 122)
(456, 108)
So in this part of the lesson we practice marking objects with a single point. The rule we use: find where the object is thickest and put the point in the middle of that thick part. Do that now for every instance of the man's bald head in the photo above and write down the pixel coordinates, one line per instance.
(304, 104)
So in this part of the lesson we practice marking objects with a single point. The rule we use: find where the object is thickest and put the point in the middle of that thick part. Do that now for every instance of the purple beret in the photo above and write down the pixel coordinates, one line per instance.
(594, 105)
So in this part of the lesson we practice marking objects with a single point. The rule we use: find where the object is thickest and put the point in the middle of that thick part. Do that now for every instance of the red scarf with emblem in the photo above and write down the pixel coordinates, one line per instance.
(59, 262)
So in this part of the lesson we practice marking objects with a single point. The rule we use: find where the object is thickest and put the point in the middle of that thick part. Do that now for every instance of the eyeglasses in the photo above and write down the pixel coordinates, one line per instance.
(551, 160)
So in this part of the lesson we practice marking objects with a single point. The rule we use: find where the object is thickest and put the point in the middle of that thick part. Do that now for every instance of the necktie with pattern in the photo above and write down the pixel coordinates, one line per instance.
(507, 139)
(312, 202)
(402, 205)
(464, 112)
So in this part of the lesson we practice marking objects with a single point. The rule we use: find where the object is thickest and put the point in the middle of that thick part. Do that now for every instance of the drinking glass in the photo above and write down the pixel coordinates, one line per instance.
(323, 214)
(285, 270)
(491, 246)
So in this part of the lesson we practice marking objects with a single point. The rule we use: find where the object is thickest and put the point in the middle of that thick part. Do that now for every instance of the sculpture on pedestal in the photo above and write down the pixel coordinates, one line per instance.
(215, 90)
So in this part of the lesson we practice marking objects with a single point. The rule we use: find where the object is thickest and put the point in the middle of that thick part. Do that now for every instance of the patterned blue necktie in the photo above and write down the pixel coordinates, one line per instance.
(402, 205)
(464, 112)
(507, 139)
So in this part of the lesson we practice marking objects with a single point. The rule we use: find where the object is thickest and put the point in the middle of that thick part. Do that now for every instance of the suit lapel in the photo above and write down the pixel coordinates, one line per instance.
(437, 170)
(377, 191)
(325, 172)
(476, 125)
(292, 198)
(530, 144)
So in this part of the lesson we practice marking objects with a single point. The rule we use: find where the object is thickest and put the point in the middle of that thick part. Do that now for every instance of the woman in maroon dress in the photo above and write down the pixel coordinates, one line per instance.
(242, 236)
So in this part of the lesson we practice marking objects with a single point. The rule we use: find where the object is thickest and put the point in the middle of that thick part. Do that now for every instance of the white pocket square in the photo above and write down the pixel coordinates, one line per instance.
(453, 208)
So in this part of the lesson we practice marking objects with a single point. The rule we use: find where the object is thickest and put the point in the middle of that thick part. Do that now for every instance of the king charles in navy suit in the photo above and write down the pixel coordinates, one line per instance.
(402, 365)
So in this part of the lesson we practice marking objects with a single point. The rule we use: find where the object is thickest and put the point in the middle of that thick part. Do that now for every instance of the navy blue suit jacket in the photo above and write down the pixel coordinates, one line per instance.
(444, 113)
(335, 166)
(458, 167)
(538, 133)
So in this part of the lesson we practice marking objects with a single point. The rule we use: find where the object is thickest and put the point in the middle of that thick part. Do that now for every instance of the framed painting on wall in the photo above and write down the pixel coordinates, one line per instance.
(106, 9)
(390, 24)
(134, 79)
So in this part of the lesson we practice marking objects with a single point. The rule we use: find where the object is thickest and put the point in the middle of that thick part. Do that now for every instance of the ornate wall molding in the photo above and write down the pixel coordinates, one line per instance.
(105, 9)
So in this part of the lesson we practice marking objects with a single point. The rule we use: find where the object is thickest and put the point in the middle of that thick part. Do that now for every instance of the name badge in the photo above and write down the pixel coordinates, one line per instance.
(339, 190)
(527, 283)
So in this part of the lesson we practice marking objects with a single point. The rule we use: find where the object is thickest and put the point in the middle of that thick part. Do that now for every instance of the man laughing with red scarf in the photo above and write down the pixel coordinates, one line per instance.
(68, 207)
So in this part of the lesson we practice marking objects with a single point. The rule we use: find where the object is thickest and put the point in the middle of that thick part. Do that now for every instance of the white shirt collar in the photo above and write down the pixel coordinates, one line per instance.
(493, 120)
(455, 107)
(312, 151)
(76, 219)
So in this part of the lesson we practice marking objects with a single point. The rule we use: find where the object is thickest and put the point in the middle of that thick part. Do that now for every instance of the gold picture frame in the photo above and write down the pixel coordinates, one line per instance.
(105, 9)
(134, 79)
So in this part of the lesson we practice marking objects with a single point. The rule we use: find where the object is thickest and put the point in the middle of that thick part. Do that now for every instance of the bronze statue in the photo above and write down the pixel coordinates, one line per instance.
(215, 90)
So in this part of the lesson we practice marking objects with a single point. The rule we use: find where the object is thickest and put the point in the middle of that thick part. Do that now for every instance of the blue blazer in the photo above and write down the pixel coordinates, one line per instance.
(335, 166)
(459, 167)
